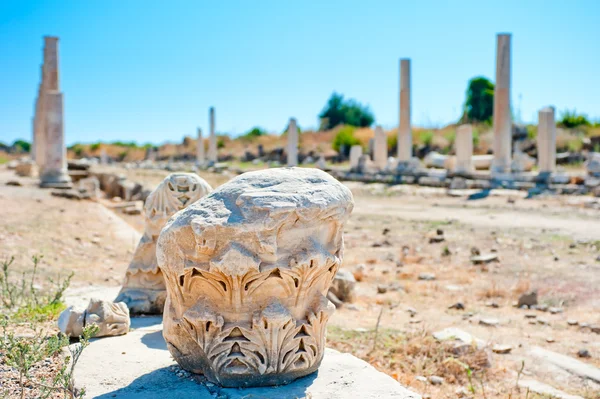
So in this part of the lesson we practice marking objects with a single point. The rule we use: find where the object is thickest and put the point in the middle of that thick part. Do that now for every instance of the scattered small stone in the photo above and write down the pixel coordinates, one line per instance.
(487, 258)
(382, 288)
(528, 299)
(427, 276)
(475, 251)
(542, 321)
(541, 308)
(584, 353)
(572, 322)
(436, 380)
(584, 325)
(13, 183)
(492, 304)
(555, 310)
(572, 245)
(353, 307)
(412, 311)
(501, 349)
(359, 272)
(436, 236)
(457, 306)
(489, 322)
(385, 231)
(549, 340)
(421, 378)
(595, 329)
(530, 316)
(95, 240)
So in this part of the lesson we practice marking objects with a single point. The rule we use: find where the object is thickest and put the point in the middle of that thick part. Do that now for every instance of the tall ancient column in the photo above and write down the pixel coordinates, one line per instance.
(380, 148)
(502, 119)
(212, 141)
(292, 143)
(546, 140)
(54, 169)
(464, 149)
(39, 121)
(404, 129)
(200, 149)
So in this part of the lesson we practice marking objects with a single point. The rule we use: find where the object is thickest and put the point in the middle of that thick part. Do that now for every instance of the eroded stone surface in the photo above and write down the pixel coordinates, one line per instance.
(144, 288)
(111, 319)
(247, 269)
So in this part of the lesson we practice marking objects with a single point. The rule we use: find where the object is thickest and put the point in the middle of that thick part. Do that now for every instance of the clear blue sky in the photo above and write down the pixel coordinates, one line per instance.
(149, 70)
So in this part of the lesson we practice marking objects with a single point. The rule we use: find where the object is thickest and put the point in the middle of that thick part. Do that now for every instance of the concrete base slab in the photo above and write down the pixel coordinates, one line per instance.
(138, 365)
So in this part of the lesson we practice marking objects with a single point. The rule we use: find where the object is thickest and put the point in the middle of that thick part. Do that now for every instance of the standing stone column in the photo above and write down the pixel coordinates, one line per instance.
(292, 143)
(356, 152)
(200, 149)
(404, 129)
(39, 121)
(546, 140)
(502, 119)
(464, 149)
(380, 148)
(212, 142)
(54, 169)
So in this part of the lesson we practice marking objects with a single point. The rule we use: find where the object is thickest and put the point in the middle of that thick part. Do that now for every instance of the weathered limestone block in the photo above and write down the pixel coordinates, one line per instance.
(111, 319)
(144, 287)
(247, 270)
(356, 152)
(27, 168)
(343, 286)
(592, 164)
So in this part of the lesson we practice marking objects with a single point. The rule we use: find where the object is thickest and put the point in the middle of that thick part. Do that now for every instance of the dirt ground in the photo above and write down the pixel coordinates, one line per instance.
(549, 244)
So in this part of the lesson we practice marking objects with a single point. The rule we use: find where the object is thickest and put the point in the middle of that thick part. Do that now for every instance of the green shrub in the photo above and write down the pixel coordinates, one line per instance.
(345, 136)
(77, 149)
(95, 146)
(425, 137)
(570, 119)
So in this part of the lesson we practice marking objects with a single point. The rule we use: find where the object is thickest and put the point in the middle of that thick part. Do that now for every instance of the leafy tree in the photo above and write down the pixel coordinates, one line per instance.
(338, 111)
(22, 145)
(479, 105)
(570, 119)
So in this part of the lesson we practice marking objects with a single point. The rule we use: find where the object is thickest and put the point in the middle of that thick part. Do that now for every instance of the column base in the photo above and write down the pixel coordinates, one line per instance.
(56, 179)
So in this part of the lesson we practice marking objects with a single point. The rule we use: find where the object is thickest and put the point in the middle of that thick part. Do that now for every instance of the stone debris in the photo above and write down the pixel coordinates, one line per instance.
(436, 236)
(13, 183)
(111, 318)
(436, 380)
(572, 322)
(359, 272)
(489, 322)
(483, 259)
(457, 306)
(528, 299)
(584, 353)
(426, 276)
(554, 310)
(501, 349)
(343, 285)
